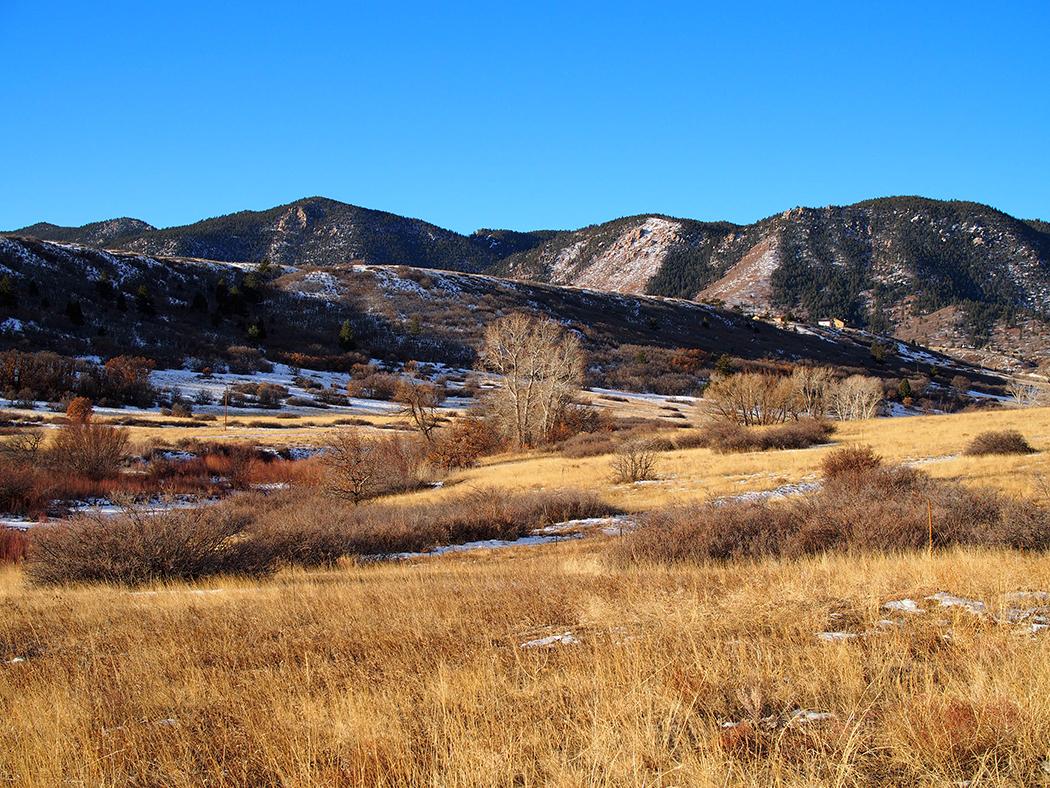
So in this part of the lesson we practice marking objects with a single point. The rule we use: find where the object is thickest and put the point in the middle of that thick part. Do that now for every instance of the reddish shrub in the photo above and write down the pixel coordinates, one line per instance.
(12, 545)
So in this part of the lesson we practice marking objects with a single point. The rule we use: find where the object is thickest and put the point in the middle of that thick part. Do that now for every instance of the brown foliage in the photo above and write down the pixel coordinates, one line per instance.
(12, 545)
(999, 442)
(79, 410)
(726, 437)
(137, 547)
(91, 450)
(862, 506)
(463, 443)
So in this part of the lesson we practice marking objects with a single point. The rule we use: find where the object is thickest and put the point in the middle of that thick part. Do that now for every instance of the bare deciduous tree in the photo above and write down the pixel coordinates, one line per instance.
(421, 402)
(1026, 394)
(541, 367)
(856, 397)
(352, 466)
(812, 385)
(752, 398)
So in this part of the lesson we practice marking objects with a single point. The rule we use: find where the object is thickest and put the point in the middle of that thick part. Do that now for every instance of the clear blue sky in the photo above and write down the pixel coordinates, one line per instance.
(519, 115)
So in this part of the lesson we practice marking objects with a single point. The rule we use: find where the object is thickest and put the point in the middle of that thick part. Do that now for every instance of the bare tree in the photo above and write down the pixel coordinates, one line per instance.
(752, 398)
(812, 385)
(540, 367)
(1026, 394)
(24, 447)
(856, 397)
(352, 466)
(421, 402)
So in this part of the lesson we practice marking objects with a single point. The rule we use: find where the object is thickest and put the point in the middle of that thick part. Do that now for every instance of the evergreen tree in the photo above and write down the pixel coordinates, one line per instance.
(144, 300)
(74, 312)
(346, 335)
(8, 297)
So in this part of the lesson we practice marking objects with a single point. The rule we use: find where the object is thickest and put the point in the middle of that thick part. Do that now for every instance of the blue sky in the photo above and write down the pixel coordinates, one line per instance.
(520, 115)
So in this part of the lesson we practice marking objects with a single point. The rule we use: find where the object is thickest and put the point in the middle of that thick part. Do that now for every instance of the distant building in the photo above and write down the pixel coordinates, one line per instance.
(832, 322)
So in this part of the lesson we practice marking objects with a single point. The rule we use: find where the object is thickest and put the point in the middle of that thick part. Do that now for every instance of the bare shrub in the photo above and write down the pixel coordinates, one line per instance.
(307, 530)
(137, 547)
(727, 437)
(358, 468)
(999, 442)
(634, 462)
(864, 506)
(23, 448)
(89, 449)
(850, 460)
(700, 533)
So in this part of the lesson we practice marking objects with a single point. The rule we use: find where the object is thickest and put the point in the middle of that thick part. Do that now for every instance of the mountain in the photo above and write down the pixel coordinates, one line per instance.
(78, 300)
(105, 233)
(960, 276)
(315, 232)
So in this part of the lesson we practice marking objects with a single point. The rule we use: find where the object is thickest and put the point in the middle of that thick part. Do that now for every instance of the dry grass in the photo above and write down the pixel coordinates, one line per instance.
(413, 674)
(936, 442)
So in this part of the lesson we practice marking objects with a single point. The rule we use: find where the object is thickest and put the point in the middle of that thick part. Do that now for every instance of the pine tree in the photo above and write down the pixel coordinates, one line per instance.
(74, 312)
(143, 300)
(346, 335)
(8, 297)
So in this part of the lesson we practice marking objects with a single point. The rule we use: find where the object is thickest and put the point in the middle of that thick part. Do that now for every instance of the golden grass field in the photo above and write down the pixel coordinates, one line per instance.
(413, 673)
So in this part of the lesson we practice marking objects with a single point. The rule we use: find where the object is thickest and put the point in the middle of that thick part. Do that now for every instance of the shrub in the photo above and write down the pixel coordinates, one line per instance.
(864, 506)
(999, 442)
(12, 545)
(308, 530)
(634, 462)
(91, 450)
(850, 460)
(463, 443)
(135, 548)
(358, 468)
(726, 436)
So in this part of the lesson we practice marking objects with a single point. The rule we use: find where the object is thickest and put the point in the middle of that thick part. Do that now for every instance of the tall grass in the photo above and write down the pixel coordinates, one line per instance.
(415, 675)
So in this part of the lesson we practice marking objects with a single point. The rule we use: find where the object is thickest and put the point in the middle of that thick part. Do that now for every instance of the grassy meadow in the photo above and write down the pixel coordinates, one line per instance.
(555, 665)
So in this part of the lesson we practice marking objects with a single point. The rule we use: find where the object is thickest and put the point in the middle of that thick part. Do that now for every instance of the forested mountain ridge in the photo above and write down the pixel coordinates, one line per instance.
(957, 275)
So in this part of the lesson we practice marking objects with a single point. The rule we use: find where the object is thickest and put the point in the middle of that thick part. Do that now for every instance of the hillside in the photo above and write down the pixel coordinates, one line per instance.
(74, 298)
(959, 276)
(887, 264)
(314, 231)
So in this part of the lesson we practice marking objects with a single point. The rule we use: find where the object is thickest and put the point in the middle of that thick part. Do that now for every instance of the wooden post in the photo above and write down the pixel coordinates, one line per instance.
(226, 408)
